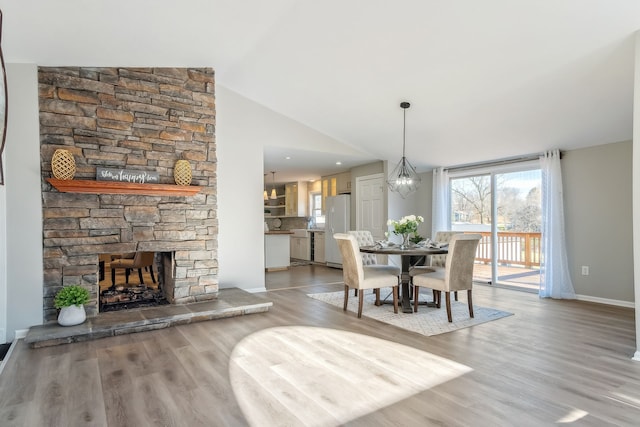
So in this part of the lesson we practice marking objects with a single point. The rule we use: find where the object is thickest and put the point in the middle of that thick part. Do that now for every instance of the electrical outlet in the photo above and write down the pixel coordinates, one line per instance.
(585, 270)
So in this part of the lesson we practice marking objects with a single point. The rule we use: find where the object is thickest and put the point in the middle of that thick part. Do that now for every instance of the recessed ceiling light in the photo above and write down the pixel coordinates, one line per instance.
(288, 157)
(338, 162)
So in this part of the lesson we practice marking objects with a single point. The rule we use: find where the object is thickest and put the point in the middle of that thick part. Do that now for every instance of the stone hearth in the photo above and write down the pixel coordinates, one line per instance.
(135, 118)
(230, 302)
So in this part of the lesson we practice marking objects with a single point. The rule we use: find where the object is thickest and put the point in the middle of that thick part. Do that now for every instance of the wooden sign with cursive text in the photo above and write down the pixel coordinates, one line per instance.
(127, 175)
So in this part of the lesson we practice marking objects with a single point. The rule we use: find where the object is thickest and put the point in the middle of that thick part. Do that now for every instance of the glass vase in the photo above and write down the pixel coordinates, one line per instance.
(405, 241)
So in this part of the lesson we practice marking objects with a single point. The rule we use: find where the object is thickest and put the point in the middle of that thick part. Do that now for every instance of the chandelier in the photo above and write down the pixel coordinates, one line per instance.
(403, 179)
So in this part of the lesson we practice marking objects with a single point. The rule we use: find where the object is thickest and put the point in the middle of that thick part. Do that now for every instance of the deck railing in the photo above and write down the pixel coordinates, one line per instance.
(513, 248)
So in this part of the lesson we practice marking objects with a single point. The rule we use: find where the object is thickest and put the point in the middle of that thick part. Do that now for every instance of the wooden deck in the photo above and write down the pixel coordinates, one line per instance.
(517, 277)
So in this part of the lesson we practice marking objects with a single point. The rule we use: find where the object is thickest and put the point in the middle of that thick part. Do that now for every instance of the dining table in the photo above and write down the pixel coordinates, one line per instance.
(406, 253)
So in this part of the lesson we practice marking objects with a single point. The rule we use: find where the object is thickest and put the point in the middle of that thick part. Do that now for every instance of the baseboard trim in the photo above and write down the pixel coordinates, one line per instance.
(20, 333)
(255, 290)
(636, 356)
(619, 303)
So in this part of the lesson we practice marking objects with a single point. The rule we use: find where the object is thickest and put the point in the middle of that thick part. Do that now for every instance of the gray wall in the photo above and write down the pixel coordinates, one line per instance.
(598, 212)
(24, 207)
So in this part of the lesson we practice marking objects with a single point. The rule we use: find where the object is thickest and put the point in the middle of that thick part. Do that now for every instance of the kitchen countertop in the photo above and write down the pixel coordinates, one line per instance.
(278, 232)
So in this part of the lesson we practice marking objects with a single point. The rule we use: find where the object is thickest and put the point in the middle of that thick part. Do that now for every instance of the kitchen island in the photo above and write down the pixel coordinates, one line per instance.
(277, 250)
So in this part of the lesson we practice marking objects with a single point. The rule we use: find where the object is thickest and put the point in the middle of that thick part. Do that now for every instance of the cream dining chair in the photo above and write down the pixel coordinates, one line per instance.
(456, 275)
(436, 261)
(357, 277)
(365, 238)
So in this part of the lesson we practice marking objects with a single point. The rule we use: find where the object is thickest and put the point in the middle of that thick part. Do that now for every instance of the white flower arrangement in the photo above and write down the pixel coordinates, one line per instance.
(406, 225)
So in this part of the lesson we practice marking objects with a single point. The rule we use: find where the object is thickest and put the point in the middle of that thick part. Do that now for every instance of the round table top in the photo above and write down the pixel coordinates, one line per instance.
(395, 250)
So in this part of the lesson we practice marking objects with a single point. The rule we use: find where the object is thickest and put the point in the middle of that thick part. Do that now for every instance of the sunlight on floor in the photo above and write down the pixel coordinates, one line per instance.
(572, 416)
(302, 375)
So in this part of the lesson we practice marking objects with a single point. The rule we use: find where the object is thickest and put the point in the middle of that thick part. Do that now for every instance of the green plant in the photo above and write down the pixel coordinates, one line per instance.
(71, 295)
(416, 238)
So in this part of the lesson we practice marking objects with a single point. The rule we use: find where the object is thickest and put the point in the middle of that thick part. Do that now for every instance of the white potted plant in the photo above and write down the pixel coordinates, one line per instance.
(71, 300)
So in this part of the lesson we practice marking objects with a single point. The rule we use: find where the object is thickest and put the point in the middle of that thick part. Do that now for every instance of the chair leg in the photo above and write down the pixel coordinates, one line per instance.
(439, 298)
(140, 276)
(113, 278)
(360, 303)
(416, 297)
(355, 292)
(447, 297)
(377, 292)
(455, 294)
(470, 303)
(395, 299)
(126, 275)
(346, 297)
(153, 279)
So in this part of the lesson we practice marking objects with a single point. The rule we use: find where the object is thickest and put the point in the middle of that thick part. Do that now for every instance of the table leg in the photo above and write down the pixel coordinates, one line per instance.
(405, 279)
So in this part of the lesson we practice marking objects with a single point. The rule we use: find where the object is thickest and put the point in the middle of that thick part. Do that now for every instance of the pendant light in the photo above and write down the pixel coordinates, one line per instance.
(403, 179)
(273, 190)
(266, 196)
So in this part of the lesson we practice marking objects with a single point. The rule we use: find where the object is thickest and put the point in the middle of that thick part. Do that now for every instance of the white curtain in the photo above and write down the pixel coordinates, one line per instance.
(555, 281)
(440, 205)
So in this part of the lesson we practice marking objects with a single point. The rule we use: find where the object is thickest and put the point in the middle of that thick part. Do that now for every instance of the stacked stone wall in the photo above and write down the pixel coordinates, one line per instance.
(134, 118)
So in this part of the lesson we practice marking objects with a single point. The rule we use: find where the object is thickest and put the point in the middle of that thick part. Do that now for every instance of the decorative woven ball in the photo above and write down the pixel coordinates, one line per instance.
(63, 165)
(182, 172)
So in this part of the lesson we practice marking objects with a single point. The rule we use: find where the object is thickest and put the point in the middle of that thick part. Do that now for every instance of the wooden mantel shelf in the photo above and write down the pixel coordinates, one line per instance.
(112, 187)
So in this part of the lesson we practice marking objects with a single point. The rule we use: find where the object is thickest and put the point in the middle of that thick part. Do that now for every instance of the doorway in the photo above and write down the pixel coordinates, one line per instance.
(370, 205)
(504, 206)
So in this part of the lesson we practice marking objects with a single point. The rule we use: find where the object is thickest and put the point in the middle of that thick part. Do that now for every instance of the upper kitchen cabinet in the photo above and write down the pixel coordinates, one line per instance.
(333, 185)
(344, 183)
(296, 199)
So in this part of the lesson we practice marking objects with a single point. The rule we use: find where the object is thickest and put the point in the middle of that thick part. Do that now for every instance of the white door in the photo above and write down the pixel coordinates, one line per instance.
(370, 205)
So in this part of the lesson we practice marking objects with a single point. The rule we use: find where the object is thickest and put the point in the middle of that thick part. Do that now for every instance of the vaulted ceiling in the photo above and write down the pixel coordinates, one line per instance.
(486, 79)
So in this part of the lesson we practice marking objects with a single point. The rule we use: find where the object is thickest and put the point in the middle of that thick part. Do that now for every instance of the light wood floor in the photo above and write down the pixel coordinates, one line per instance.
(553, 361)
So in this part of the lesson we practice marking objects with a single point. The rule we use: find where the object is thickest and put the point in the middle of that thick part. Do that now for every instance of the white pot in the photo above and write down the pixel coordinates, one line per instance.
(72, 315)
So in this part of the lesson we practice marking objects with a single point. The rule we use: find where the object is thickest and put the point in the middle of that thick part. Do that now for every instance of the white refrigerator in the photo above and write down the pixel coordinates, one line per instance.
(337, 220)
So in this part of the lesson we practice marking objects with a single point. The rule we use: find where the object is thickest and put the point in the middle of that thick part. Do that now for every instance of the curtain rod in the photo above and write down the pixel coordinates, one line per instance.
(501, 162)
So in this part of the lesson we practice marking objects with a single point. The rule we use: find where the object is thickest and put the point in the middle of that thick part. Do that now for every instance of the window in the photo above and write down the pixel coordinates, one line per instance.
(315, 201)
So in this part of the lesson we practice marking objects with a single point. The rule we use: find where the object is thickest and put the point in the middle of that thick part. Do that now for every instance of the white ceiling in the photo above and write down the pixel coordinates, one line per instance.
(486, 79)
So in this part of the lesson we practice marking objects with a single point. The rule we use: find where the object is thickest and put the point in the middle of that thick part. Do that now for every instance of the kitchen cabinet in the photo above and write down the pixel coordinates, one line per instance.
(329, 188)
(276, 251)
(318, 247)
(295, 199)
(300, 248)
(332, 185)
(343, 183)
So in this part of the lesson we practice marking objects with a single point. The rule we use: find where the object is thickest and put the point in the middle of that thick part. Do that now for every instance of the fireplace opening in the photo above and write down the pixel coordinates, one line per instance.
(130, 280)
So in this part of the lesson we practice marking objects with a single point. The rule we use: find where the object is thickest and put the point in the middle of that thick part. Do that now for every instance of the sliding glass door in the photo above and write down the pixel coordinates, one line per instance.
(504, 206)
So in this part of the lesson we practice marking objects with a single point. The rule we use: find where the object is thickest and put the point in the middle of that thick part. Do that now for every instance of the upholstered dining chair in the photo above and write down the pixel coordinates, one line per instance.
(370, 261)
(357, 277)
(457, 274)
(435, 261)
(139, 261)
(442, 237)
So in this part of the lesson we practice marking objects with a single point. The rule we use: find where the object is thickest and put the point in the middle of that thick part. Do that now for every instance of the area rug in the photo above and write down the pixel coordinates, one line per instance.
(427, 321)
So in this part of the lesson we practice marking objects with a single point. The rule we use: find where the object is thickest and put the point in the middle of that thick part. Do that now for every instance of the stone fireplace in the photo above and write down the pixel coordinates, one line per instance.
(135, 118)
